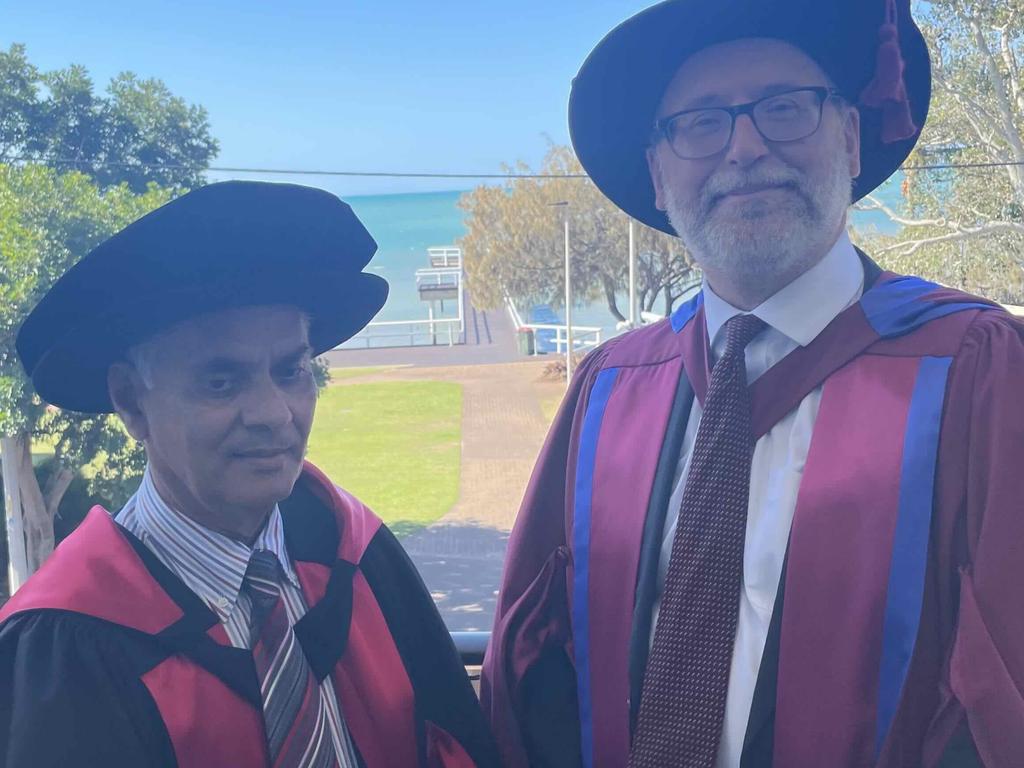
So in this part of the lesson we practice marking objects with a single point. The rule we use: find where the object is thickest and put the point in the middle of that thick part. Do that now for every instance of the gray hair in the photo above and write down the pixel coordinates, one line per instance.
(143, 357)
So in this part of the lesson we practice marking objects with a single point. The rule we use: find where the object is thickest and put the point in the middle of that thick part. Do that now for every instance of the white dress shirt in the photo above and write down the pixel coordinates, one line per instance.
(795, 316)
(213, 566)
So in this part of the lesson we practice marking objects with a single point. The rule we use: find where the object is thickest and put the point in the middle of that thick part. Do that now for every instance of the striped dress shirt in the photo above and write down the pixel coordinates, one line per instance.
(213, 566)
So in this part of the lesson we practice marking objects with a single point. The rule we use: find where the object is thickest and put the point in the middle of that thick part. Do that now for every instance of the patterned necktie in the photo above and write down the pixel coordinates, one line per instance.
(298, 733)
(682, 703)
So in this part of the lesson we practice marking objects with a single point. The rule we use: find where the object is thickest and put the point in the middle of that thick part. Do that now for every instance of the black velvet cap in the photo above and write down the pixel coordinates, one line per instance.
(225, 245)
(617, 91)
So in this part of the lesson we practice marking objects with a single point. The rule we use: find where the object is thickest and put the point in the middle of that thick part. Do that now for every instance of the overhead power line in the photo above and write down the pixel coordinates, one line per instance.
(299, 171)
(943, 166)
(415, 174)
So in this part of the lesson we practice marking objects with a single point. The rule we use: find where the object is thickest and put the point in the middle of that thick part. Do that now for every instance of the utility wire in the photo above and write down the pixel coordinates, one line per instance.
(297, 171)
(416, 175)
(942, 166)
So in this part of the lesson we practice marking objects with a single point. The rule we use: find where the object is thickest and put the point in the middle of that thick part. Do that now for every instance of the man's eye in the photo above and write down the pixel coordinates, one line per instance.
(701, 123)
(782, 107)
(295, 372)
(220, 384)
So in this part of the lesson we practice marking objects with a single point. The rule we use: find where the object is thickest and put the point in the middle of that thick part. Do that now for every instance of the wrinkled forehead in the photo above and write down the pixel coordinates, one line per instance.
(738, 71)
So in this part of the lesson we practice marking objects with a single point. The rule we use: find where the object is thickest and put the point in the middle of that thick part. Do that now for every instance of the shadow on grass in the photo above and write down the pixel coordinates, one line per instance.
(405, 528)
(461, 565)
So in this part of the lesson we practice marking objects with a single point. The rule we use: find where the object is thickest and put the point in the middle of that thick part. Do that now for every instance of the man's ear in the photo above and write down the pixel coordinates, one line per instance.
(126, 389)
(654, 168)
(851, 134)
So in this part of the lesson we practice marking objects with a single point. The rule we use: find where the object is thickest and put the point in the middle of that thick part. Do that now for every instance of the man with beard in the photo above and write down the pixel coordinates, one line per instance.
(241, 609)
(781, 527)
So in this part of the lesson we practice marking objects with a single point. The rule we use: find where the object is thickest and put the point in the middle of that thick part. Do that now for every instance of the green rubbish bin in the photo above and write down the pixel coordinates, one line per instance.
(525, 339)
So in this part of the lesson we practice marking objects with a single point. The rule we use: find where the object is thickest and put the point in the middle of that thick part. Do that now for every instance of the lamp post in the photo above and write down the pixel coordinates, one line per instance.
(564, 205)
(632, 277)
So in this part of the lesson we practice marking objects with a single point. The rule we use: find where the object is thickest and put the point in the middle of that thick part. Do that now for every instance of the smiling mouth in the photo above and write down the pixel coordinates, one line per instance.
(263, 453)
(756, 189)
(741, 193)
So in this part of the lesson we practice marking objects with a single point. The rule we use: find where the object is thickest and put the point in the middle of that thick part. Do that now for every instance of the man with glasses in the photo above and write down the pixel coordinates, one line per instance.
(781, 527)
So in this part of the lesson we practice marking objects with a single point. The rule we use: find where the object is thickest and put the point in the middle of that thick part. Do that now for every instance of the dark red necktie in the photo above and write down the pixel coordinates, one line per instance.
(682, 703)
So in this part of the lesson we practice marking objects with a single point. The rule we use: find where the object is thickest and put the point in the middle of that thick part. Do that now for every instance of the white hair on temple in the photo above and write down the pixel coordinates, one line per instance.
(142, 357)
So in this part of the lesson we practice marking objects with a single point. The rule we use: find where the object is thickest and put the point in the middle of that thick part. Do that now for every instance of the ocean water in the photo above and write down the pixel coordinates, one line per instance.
(405, 225)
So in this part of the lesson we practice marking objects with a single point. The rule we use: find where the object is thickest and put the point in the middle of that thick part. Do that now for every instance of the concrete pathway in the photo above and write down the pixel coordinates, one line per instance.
(460, 556)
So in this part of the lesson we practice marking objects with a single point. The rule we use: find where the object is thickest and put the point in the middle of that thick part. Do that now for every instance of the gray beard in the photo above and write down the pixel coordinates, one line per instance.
(759, 240)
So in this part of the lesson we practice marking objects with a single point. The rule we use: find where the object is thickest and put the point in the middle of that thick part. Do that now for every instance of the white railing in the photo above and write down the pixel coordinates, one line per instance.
(517, 321)
(450, 326)
(445, 256)
(583, 336)
(439, 276)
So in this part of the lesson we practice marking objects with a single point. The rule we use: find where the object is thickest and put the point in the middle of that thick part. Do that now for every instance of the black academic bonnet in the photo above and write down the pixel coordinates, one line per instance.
(227, 245)
(872, 50)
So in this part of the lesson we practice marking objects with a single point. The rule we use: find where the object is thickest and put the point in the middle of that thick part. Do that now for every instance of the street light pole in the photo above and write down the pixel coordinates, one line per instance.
(564, 205)
(568, 305)
(632, 277)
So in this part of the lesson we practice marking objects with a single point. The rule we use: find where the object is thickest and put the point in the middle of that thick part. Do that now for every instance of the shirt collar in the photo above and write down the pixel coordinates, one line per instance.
(802, 309)
(211, 564)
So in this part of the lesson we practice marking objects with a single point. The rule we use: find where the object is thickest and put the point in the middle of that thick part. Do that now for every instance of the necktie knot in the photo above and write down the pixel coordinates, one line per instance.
(262, 580)
(740, 330)
(263, 571)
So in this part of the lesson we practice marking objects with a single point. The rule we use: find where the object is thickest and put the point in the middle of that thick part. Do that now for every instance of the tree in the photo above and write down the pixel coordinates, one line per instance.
(48, 221)
(113, 156)
(514, 243)
(137, 133)
(965, 226)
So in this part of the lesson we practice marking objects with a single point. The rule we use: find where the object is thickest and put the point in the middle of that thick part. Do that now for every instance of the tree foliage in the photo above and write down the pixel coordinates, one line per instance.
(514, 244)
(136, 133)
(965, 226)
(48, 221)
(76, 166)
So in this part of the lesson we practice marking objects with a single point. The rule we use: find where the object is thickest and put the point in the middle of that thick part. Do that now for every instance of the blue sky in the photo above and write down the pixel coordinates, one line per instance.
(408, 85)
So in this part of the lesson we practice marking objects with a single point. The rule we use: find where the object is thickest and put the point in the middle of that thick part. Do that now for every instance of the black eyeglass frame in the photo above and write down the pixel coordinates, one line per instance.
(823, 92)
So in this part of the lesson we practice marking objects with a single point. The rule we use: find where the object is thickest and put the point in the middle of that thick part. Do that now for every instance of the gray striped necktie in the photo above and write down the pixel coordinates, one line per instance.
(298, 734)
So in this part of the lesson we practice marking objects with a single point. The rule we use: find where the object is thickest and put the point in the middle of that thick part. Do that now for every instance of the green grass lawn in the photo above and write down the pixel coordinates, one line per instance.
(395, 445)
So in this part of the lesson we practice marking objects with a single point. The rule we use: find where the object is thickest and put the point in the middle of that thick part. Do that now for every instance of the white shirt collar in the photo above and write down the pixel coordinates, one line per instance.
(802, 309)
(211, 564)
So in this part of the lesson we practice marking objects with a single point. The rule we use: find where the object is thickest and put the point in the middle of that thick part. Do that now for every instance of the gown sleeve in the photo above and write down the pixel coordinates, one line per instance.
(528, 687)
(68, 698)
(982, 689)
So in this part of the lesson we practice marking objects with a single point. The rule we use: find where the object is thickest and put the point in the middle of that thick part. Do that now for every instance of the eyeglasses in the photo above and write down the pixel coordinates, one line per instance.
(790, 116)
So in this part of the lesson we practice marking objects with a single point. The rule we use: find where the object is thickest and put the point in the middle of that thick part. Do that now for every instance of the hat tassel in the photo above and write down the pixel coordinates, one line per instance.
(887, 90)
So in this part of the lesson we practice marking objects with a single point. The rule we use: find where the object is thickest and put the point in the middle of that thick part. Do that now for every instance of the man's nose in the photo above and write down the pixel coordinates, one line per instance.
(747, 145)
(266, 406)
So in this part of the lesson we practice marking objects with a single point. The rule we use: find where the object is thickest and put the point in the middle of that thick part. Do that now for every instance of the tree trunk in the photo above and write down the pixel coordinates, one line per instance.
(55, 489)
(11, 450)
(669, 300)
(609, 294)
(29, 519)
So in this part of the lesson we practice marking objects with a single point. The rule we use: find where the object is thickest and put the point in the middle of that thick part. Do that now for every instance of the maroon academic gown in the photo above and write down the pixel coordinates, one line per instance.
(108, 659)
(898, 635)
